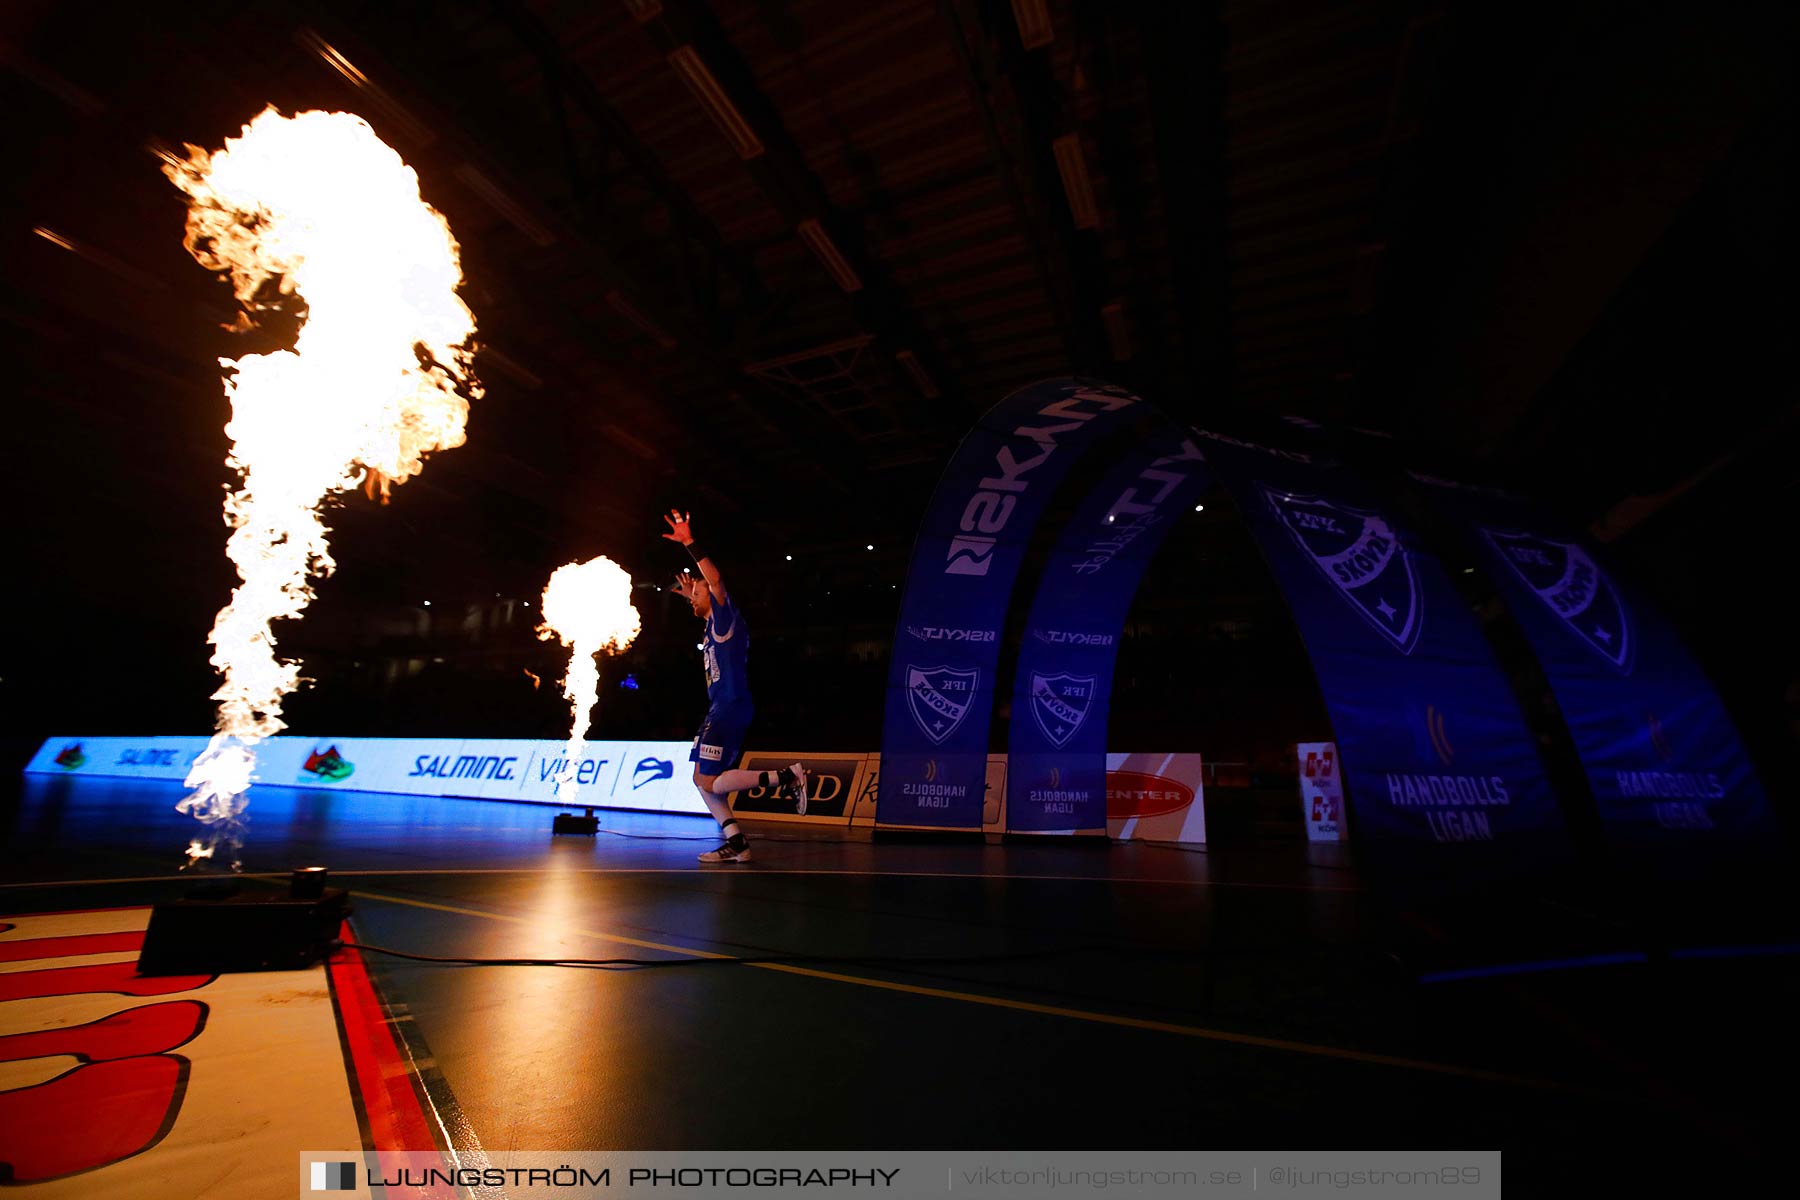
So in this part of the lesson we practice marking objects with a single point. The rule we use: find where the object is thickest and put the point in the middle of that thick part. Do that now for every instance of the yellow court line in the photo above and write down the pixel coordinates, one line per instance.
(1193, 1031)
(376, 872)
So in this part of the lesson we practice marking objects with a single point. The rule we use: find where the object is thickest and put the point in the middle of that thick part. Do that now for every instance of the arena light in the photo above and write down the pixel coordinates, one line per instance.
(700, 81)
(1079, 189)
(629, 441)
(916, 369)
(377, 98)
(491, 357)
(1033, 17)
(315, 207)
(1118, 336)
(650, 329)
(491, 194)
(826, 251)
(101, 259)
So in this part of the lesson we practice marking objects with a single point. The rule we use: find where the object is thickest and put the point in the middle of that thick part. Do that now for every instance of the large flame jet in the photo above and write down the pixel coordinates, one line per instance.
(314, 210)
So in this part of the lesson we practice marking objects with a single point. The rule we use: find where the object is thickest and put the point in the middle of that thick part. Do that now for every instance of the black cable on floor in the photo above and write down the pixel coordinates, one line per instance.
(662, 837)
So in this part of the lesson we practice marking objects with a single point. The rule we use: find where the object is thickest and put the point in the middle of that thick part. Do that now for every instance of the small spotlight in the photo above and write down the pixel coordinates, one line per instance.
(1199, 508)
(1109, 518)
(790, 558)
(1468, 570)
(870, 546)
(699, 645)
(428, 604)
(307, 883)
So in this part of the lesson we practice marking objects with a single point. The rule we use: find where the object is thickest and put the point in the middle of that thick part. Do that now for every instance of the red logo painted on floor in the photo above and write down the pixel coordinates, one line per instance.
(124, 1094)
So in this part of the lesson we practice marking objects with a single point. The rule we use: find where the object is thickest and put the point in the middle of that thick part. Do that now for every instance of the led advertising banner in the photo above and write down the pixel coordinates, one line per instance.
(1439, 769)
(1662, 758)
(833, 781)
(643, 775)
(1155, 798)
(1149, 797)
(1056, 756)
(941, 684)
(866, 807)
(1321, 792)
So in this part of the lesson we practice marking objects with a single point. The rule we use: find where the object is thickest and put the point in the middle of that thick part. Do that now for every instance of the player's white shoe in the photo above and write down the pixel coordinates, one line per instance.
(794, 784)
(725, 854)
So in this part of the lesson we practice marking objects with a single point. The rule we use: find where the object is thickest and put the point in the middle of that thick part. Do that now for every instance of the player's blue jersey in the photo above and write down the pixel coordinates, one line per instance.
(727, 656)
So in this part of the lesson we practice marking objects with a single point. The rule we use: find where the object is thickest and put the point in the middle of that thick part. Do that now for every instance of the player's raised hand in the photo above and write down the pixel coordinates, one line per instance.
(678, 527)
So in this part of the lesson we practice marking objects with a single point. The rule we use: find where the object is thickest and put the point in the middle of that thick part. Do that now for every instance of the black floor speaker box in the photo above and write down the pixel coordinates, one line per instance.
(570, 823)
(238, 932)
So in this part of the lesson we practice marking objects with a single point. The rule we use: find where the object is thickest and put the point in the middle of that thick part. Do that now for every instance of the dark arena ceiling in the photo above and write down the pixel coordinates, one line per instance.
(769, 260)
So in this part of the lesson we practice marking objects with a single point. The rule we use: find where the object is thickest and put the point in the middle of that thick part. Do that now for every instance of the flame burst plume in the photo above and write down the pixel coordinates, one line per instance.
(587, 606)
(314, 208)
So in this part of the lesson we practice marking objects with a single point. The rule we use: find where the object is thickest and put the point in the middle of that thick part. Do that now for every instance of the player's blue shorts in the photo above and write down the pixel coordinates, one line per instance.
(720, 742)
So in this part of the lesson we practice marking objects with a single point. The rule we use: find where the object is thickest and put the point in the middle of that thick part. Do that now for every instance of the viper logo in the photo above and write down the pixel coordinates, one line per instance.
(649, 770)
(71, 758)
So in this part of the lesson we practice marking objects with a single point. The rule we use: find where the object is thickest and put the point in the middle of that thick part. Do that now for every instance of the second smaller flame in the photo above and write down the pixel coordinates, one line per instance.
(587, 607)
